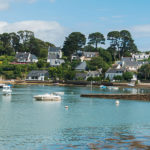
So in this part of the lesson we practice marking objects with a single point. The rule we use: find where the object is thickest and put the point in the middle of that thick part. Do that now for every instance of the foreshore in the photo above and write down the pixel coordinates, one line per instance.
(24, 82)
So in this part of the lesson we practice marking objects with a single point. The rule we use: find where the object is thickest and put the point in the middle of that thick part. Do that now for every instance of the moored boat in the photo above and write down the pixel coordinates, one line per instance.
(1, 85)
(103, 87)
(47, 97)
(131, 84)
(58, 93)
(113, 88)
(7, 90)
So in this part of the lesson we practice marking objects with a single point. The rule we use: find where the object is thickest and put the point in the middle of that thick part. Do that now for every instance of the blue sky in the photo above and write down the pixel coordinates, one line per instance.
(53, 20)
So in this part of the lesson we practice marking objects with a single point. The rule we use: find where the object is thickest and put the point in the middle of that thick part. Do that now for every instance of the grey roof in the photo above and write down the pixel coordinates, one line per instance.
(112, 70)
(33, 56)
(53, 56)
(94, 73)
(81, 66)
(54, 49)
(38, 73)
(56, 62)
(131, 63)
(90, 54)
(21, 55)
(143, 62)
(81, 75)
(128, 61)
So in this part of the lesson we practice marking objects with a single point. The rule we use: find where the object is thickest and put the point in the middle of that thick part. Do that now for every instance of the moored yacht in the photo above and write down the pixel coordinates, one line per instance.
(7, 90)
(48, 97)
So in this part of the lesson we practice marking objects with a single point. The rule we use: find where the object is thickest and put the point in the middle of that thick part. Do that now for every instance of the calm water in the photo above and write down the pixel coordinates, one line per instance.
(26, 124)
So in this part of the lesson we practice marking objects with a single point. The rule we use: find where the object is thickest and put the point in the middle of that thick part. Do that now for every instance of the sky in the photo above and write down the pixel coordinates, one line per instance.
(53, 20)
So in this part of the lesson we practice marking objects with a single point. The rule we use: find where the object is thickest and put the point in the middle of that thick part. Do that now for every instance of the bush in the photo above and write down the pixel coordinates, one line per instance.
(118, 78)
(90, 79)
(128, 76)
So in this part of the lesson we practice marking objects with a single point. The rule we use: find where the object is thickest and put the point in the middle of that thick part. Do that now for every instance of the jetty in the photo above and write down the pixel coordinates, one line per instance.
(142, 97)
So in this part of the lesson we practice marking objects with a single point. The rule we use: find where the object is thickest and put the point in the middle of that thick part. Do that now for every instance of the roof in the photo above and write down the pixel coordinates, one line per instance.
(90, 54)
(94, 73)
(129, 61)
(54, 49)
(38, 73)
(56, 62)
(24, 55)
(81, 66)
(126, 59)
(112, 70)
(53, 56)
(81, 75)
(33, 56)
(20, 55)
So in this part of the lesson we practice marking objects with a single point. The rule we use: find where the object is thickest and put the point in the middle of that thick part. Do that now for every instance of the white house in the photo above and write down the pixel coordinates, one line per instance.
(55, 56)
(140, 56)
(54, 53)
(26, 57)
(111, 73)
(38, 75)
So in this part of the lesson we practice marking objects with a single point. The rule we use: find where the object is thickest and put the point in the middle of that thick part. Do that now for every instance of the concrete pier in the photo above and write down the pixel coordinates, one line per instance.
(142, 97)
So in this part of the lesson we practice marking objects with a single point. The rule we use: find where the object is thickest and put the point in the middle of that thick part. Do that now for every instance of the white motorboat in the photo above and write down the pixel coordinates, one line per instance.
(58, 93)
(7, 90)
(131, 84)
(113, 88)
(47, 97)
(1, 85)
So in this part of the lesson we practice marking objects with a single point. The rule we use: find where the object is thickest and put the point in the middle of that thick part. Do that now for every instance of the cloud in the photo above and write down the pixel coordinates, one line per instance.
(141, 30)
(46, 30)
(5, 4)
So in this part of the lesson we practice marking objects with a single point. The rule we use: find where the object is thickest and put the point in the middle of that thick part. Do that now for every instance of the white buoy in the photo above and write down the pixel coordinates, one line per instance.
(117, 102)
(66, 107)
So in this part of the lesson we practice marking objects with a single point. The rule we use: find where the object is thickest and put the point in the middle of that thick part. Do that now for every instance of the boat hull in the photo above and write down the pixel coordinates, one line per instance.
(47, 98)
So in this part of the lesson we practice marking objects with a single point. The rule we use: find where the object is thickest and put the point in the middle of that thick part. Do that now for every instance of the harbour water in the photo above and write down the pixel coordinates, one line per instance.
(26, 124)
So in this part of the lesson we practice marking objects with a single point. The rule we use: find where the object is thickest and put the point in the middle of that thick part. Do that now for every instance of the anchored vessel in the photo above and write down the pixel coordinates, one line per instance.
(6, 90)
(48, 97)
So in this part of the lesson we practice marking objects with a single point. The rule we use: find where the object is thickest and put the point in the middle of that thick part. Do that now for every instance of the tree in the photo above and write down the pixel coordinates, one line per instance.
(127, 43)
(114, 38)
(89, 48)
(96, 38)
(75, 41)
(52, 73)
(41, 63)
(118, 78)
(15, 42)
(144, 72)
(128, 76)
(97, 63)
(106, 55)
(122, 42)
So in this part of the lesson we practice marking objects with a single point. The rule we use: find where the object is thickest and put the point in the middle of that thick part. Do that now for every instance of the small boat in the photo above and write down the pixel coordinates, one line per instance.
(1, 85)
(103, 87)
(47, 97)
(131, 84)
(113, 88)
(6, 90)
(58, 93)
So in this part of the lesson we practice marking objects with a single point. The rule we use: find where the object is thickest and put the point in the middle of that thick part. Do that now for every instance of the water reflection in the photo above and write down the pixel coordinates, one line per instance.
(6, 98)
